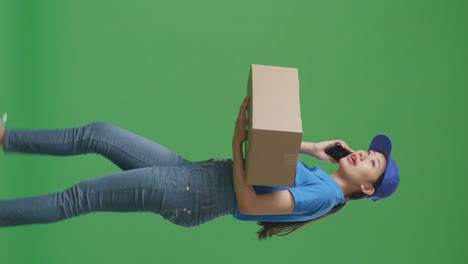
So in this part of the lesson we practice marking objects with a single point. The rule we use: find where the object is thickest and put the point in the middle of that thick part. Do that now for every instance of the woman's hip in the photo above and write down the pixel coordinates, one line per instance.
(203, 193)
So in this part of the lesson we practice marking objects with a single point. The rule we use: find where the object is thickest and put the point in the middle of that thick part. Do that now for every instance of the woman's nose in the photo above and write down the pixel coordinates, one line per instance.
(363, 155)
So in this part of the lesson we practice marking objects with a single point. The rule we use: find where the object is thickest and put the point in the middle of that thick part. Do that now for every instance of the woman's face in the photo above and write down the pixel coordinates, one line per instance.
(362, 167)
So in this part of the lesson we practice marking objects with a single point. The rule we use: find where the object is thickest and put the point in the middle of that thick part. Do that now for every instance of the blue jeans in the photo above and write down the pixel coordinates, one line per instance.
(154, 179)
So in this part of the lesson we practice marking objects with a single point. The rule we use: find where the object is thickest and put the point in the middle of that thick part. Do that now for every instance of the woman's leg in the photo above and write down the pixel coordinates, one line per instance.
(124, 148)
(188, 196)
(149, 189)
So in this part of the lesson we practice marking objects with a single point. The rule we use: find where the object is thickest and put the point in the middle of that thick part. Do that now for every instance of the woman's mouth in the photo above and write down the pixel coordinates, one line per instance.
(352, 159)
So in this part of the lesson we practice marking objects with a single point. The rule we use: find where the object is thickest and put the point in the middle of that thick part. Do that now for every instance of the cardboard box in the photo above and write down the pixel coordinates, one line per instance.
(275, 127)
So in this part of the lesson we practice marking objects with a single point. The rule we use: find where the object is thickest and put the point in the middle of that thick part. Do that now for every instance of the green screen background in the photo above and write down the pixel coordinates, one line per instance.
(176, 73)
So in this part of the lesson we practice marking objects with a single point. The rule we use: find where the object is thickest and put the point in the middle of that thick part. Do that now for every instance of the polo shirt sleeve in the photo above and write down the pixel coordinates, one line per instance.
(310, 199)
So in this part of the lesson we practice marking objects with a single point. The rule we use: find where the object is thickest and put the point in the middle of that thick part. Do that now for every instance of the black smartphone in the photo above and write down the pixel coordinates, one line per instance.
(337, 151)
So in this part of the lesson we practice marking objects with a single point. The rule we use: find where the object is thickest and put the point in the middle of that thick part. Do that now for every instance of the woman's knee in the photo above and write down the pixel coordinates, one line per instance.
(99, 126)
(99, 130)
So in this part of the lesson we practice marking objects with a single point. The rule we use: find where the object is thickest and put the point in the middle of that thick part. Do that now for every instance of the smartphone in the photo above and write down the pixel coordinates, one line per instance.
(337, 151)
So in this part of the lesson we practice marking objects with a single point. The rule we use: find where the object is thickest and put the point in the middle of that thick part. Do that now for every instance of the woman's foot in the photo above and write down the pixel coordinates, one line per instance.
(2, 127)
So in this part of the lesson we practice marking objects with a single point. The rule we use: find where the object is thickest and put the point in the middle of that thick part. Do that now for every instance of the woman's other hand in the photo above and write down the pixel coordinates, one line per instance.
(240, 131)
(318, 149)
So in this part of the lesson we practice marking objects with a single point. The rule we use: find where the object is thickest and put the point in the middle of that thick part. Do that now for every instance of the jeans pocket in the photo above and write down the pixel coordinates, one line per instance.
(204, 181)
(178, 216)
(208, 212)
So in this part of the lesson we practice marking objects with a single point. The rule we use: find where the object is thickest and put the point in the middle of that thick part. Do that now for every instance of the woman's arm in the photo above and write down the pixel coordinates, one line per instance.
(245, 193)
(248, 201)
(251, 203)
(307, 148)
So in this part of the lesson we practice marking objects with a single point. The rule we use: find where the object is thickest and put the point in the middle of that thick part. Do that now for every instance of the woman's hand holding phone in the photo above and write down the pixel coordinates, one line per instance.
(317, 150)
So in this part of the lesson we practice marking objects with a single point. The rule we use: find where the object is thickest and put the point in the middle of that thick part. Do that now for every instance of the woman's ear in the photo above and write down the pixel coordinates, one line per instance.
(367, 189)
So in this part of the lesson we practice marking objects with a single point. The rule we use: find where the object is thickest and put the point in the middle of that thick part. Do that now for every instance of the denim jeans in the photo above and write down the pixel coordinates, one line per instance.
(154, 179)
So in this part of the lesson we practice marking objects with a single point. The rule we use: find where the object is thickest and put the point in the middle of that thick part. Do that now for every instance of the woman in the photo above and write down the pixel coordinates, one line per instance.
(157, 180)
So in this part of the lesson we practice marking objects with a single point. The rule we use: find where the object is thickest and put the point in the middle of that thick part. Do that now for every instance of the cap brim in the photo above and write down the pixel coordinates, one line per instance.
(381, 143)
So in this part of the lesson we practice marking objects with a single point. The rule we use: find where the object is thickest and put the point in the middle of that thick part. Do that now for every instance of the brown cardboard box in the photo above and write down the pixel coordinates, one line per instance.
(275, 126)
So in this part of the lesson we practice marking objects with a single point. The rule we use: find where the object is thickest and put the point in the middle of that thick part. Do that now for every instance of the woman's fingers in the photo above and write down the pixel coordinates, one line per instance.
(242, 118)
(243, 107)
(242, 121)
(345, 145)
(245, 103)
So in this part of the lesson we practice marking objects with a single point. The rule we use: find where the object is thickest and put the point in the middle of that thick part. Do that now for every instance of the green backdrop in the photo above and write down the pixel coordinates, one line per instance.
(176, 73)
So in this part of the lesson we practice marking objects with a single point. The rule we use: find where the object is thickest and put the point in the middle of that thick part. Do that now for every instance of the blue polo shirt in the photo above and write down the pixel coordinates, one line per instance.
(315, 193)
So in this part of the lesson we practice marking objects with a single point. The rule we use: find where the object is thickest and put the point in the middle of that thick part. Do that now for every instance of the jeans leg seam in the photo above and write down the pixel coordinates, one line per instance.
(102, 140)
(119, 148)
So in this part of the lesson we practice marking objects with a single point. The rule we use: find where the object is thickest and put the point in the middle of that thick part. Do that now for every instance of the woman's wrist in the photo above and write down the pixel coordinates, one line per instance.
(308, 148)
(236, 143)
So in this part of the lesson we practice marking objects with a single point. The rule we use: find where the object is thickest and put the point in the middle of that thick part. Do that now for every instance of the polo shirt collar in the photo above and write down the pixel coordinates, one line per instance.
(340, 197)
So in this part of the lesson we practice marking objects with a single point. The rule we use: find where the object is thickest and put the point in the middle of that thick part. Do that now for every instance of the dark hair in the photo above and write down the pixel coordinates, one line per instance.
(285, 228)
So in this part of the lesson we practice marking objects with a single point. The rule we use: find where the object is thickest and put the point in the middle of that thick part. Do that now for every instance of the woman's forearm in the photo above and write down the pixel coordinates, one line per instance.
(245, 193)
(307, 148)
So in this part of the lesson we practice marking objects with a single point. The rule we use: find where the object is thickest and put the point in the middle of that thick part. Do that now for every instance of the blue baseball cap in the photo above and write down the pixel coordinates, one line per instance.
(391, 178)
